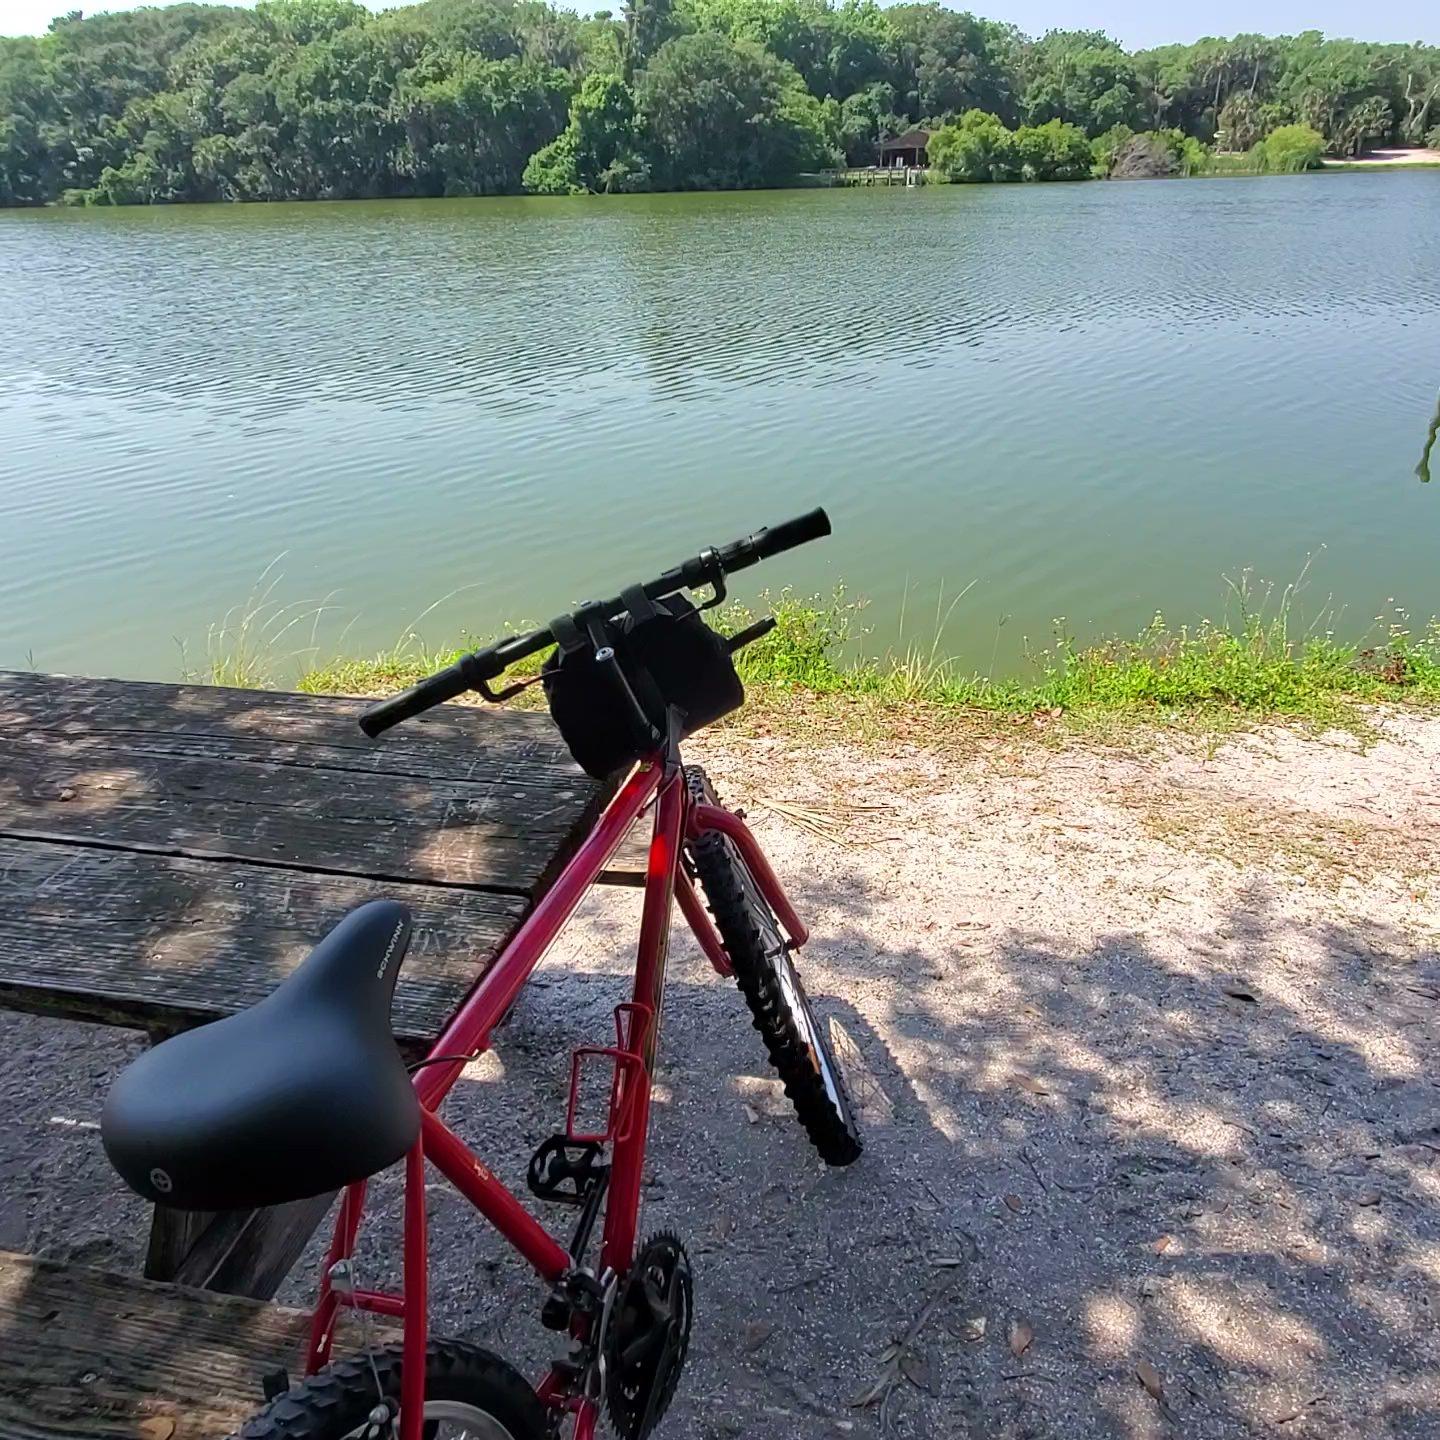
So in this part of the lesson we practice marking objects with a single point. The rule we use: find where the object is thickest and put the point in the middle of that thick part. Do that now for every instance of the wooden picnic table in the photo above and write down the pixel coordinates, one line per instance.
(168, 853)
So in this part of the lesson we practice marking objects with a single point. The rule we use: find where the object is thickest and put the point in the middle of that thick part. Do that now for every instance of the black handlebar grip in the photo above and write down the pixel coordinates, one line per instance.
(813, 525)
(433, 690)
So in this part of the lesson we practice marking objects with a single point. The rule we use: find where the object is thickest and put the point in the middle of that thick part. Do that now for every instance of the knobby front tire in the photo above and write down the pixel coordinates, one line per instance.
(777, 1000)
(464, 1385)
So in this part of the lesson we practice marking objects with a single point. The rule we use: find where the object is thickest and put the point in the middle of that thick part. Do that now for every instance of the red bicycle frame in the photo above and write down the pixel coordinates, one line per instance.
(677, 818)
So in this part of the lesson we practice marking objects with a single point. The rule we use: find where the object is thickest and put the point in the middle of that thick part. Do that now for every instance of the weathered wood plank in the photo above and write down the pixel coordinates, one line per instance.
(165, 942)
(86, 1355)
(237, 1252)
(278, 726)
(627, 864)
(460, 797)
(173, 1235)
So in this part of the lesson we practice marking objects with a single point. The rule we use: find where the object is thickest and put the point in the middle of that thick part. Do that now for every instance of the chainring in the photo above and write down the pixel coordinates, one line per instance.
(648, 1336)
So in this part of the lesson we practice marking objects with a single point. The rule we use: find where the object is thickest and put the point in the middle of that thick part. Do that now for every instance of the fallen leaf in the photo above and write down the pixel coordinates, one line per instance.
(1015, 1203)
(1164, 1243)
(1239, 992)
(755, 1334)
(1030, 1083)
(870, 1396)
(752, 1114)
(157, 1427)
(1021, 1338)
(1149, 1377)
(916, 1369)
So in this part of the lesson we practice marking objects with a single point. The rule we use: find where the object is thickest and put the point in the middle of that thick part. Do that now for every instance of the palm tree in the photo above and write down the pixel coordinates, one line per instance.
(1365, 121)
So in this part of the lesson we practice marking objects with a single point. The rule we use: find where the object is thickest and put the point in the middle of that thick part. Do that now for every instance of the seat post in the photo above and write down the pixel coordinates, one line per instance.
(412, 1374)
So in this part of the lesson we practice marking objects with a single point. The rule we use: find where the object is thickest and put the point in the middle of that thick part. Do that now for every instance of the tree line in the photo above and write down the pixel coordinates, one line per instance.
(321, 99)
(981, 147)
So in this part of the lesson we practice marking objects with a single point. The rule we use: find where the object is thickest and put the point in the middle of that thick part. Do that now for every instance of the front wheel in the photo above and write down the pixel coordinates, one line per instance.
(470, 1394)
(777, 1000)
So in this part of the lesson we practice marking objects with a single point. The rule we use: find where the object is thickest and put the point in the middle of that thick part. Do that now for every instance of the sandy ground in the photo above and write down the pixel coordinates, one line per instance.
(1145, 1043)
(1413, 155)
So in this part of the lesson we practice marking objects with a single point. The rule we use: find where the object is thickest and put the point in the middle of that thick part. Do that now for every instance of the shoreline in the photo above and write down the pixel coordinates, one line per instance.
(806, 673)
(1413, 157)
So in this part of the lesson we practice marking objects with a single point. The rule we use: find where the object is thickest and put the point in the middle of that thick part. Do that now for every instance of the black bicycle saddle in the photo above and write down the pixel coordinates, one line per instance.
(300, 1094)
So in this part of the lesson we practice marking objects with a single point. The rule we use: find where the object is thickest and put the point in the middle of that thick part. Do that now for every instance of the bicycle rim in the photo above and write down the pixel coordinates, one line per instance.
(798, 1003)
(455, 1420)
(448, 1420)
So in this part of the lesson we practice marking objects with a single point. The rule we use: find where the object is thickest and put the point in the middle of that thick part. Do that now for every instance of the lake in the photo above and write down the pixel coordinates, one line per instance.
(1088, 401)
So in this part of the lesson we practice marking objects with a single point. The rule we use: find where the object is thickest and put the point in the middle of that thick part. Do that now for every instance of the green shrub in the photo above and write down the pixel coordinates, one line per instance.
(1293, 148)
(1194, 157)
(976, 147)
(727, 114)
(1104, 148)
(1053, 151)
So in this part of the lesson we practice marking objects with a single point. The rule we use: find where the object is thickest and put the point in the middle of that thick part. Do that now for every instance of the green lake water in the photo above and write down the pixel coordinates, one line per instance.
(1085, 401)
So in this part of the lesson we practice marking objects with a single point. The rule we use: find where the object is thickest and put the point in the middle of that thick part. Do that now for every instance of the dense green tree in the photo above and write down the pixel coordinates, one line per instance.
(1083, 78)
(1419, 91)
(1366, 120)
(1242, 121)
(838, 50)
(323, 98)
(945, 63)
(648, 25)
(978, 146)
(1053, 151)
(470, 128)
(600, 150)
(725, 114)
(864, 118)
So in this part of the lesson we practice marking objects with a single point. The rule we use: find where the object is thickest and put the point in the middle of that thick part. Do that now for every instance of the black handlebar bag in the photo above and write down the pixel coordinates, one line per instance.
(669, 657)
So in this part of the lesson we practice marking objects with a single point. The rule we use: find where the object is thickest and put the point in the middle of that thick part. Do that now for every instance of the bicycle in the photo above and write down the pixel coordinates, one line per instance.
(306, 1092)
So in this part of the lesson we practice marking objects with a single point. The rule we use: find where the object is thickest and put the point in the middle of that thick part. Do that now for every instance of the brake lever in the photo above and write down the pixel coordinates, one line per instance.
(711, 572)
(717, 596)
(499, 697)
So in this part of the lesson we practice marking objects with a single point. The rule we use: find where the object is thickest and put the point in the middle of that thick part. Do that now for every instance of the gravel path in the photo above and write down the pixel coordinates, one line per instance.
(1145, 1044)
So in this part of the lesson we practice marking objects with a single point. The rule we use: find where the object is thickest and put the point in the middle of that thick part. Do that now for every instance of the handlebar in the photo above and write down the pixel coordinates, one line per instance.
(709, 567)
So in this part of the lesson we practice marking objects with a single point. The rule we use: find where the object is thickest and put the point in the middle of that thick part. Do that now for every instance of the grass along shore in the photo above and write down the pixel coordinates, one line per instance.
(1256, 664)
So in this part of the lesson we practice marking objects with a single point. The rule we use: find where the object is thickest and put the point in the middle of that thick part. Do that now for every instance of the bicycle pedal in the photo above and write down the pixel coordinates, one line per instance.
(564, 1170)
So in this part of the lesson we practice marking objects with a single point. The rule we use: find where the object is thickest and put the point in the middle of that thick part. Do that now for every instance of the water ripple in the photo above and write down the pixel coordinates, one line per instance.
(1093, 398)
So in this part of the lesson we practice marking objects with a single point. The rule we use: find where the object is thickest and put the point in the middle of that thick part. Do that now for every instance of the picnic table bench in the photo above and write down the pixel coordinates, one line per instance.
(168, 853)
